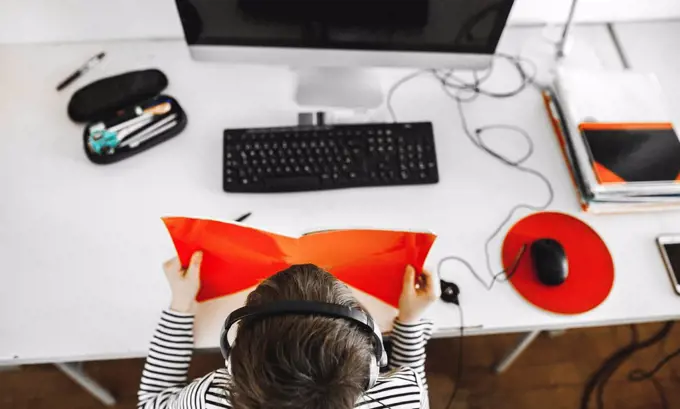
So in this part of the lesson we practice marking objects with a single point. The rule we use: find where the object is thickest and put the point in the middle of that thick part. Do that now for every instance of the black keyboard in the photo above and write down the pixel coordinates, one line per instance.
(329, 157)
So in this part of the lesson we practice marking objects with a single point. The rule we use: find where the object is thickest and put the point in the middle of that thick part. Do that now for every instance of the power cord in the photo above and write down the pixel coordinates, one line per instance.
(638, 375)
(462, 91)
(598, 380)
(459, 371)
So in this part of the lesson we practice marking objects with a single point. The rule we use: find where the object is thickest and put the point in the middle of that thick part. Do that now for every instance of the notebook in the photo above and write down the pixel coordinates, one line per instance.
(601, 202)
(636, 153)
(237, 257)
(621, 132)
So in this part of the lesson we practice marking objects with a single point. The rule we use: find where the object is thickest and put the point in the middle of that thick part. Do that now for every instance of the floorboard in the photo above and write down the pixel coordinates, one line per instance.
(550, 374)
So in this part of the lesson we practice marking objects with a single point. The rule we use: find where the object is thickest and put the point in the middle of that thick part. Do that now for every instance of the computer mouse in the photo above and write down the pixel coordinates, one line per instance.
(550, 262)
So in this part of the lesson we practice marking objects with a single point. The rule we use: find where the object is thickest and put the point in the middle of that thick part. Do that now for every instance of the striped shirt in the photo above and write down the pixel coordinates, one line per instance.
(165, 386)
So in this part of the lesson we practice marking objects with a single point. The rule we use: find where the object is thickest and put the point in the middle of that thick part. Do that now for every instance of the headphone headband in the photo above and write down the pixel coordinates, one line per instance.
(363, 320)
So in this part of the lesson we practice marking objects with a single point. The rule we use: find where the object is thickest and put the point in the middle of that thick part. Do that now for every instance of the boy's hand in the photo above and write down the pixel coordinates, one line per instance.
(417, 296)
(184, 284)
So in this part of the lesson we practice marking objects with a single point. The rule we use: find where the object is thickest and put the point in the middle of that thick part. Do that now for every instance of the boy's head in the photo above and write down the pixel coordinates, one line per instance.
(295, 361)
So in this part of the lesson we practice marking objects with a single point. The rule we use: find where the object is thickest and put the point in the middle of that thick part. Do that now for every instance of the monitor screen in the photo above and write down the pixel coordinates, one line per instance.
(441, 26)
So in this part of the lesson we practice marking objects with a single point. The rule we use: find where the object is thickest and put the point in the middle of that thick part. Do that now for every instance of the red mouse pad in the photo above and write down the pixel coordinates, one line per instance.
(591, 269)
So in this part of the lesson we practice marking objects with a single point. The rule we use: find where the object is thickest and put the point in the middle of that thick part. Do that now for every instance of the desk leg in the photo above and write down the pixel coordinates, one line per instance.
(74, 370)
(523, 344)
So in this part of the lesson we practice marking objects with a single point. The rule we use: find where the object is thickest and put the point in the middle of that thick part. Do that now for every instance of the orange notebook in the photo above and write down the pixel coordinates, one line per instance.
(238, 257)
(633, 152)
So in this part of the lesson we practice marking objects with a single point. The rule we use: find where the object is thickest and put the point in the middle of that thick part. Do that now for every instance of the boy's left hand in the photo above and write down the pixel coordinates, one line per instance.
(184, 284)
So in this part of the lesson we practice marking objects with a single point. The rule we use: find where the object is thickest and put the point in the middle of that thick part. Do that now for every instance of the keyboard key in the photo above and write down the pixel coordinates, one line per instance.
(296, 183)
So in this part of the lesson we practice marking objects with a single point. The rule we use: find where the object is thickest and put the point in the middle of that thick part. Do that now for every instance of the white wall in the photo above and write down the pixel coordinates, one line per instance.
(83, 20)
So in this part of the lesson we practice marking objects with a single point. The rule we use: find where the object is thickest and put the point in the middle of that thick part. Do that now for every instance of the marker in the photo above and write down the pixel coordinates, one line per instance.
(242, 218)
(82, 70)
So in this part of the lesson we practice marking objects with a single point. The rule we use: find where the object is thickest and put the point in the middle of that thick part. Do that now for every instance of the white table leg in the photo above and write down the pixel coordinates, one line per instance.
(523, 344)
(75, 371)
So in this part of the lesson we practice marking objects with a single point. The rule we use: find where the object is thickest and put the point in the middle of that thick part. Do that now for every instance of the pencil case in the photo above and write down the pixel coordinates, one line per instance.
(126, 115)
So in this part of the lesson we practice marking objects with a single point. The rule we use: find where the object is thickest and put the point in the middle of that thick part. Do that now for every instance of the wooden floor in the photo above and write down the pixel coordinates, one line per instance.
(549, 375)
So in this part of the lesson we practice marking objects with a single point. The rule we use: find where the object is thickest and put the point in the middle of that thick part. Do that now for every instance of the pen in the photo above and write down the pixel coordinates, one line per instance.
(82, 70)
(152, 130)
(242, 218)
(151, 134)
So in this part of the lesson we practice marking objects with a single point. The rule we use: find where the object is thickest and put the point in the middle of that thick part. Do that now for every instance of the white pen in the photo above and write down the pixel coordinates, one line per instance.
(142, 136)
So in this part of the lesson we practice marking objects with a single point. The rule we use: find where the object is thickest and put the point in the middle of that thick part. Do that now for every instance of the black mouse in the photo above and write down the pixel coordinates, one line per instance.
(550, 262)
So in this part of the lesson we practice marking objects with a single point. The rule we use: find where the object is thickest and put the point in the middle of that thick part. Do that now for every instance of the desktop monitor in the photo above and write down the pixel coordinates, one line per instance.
(336, 37)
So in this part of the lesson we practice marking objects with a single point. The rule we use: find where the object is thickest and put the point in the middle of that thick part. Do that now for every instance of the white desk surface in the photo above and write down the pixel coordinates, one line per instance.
(82, 244)
(647, 47)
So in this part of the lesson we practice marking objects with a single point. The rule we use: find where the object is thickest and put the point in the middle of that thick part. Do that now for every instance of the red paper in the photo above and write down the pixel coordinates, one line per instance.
(237, 257)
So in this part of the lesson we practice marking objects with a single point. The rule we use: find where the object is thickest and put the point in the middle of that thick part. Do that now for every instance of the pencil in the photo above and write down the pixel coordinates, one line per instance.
(242, 218)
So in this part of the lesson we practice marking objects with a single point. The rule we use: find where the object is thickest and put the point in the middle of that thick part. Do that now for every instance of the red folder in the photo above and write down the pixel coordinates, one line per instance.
(237, 257)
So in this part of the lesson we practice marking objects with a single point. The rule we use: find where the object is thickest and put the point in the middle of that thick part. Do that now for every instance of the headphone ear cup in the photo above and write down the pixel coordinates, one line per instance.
(381, 360)
(225, 348)
(374, 372)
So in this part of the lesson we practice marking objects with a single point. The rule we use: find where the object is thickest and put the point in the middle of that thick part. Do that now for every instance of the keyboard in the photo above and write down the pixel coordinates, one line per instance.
(325, 157)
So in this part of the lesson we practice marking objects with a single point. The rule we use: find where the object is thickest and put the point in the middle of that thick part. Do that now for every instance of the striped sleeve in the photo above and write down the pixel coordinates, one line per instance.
(398, 389)
(164, 377)
(408, 346)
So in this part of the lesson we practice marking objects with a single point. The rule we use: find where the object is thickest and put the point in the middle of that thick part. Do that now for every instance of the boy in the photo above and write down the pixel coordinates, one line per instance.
(297, 362)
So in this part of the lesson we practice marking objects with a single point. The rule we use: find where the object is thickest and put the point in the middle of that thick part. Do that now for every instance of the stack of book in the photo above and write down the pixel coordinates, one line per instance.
(617, 139)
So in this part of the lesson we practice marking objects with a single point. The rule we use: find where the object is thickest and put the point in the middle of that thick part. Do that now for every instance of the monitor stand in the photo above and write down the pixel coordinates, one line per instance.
(341, 87)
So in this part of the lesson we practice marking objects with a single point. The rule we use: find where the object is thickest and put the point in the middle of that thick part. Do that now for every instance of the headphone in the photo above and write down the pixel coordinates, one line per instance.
(354, 315)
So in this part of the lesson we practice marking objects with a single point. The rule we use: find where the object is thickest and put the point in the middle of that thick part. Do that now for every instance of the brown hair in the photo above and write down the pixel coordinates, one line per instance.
(301, 362)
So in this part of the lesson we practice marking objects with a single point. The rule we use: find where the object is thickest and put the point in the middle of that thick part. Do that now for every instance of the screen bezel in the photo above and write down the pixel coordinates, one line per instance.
(662, 241)
(505, 8)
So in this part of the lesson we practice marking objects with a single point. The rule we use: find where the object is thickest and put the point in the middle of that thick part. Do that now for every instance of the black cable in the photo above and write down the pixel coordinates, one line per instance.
(501, 276)
(601, 376)
(607, 374)
(525, 78)
(461, 92)
(459, 372)
(517, 164)
(444, 77)
(640, 375)
(477, 141)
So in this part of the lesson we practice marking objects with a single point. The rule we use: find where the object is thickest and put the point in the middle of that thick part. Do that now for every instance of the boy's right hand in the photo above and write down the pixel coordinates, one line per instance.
(184, 283)
(417, 296)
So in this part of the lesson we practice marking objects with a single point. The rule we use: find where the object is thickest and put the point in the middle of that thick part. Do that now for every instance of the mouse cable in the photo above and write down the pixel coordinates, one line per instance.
(598, 380)
(462, 92)
(502, 276)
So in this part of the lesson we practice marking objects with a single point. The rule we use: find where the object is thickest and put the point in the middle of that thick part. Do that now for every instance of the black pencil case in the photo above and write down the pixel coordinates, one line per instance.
(126, 115)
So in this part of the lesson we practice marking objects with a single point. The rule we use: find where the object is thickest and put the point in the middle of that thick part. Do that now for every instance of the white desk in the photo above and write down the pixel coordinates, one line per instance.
(82, 244)
(647, 47)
